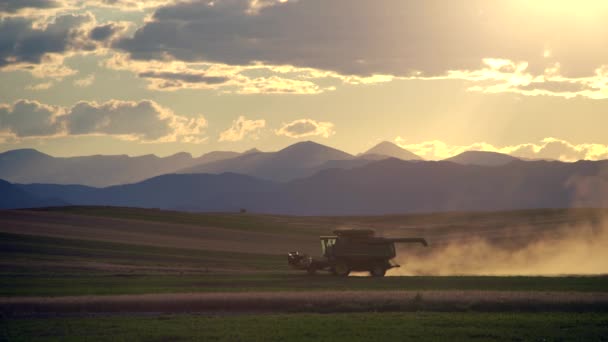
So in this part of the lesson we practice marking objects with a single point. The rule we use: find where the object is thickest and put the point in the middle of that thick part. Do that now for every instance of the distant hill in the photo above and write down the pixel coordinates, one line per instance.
(381, 187)
(483, 158)
(12, 196)
(31, 166)
(298, 160)
(387, 149)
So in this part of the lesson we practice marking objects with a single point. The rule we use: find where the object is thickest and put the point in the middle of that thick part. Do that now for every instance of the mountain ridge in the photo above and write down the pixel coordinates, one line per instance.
(484, 158)
(389, 149)
(382, 187)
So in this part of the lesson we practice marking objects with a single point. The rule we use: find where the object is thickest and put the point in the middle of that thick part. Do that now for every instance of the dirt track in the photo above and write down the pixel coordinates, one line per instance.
(330, 301)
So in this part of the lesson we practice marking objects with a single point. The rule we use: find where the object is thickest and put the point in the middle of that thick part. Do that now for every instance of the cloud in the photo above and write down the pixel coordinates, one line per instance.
(40, 47)
(502, 75)
(144, 121)
(548, 148)
(242, 128)
(39, 86)
(107, 31)
(171, 75)
(126, 5)
(552, 148)
(30, 119)
(17, 6)
(392, 38)
(85, 82)
(185, 77)
(306, 128)
(433, 36)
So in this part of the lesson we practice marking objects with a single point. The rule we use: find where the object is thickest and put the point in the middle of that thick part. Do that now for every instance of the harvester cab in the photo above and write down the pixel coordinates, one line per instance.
(352, 250)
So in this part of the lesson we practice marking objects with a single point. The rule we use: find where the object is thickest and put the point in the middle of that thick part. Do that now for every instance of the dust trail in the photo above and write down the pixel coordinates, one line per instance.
(573, 250)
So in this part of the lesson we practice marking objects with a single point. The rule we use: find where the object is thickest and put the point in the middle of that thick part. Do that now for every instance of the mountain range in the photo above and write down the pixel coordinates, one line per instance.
(380, 187)
(31, 166)
(298, 160)
(305, 178)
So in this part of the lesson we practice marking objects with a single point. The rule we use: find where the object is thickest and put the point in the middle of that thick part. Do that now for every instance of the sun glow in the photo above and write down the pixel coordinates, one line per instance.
(571, 9)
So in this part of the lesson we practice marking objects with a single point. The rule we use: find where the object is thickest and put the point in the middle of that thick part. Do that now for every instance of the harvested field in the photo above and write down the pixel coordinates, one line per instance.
(292, 302)
(272, 234)
(86, 251)
(146, 232)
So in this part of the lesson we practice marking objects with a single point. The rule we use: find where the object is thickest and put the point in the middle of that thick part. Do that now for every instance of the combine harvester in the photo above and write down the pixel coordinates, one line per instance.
(352, 250)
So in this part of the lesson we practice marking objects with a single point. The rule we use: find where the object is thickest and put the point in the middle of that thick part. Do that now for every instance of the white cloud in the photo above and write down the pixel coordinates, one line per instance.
(548, 148)
(144, 121)
(241, 128)
(124, 5)
(171, 75)
(503, 75)
(306, 128)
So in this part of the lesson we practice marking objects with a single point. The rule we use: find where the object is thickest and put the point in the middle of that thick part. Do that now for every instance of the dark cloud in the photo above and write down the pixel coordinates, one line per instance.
(104, 32)
(30, 118)
(364, 37)
(143, 120)
(22, 42)
(14, 6)
(184, 77)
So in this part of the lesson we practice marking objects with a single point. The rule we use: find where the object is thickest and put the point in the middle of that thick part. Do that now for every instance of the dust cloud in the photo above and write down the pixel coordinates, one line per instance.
(569, 250)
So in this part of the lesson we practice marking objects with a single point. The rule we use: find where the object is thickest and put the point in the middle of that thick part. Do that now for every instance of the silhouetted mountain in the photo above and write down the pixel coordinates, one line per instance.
(394, 186)
(483, 158)
(190, 192)
(295, 161)
(382, 187)
(12, 196)
(31, 166)
(387, 149)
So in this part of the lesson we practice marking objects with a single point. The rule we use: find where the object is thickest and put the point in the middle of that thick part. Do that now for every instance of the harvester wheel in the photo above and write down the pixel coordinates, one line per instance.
(341, 269)
(378, 271)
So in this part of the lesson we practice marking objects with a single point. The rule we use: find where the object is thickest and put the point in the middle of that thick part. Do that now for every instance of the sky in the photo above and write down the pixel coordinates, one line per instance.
(528, 78)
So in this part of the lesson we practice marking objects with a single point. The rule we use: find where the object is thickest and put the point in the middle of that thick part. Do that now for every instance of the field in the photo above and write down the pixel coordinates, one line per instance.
(149, 274)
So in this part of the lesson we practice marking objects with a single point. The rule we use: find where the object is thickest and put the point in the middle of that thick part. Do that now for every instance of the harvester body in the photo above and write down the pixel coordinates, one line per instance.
(352, 250)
